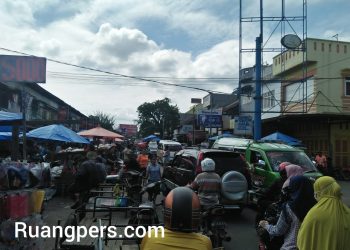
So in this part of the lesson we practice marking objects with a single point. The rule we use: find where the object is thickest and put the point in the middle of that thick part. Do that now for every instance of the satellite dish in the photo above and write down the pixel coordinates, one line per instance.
(291, 41)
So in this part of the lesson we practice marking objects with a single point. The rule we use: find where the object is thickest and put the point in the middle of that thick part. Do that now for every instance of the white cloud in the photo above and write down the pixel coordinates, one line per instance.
(116, 36)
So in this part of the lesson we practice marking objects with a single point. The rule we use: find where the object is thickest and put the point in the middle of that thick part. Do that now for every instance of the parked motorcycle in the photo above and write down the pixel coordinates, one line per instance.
(214, 226)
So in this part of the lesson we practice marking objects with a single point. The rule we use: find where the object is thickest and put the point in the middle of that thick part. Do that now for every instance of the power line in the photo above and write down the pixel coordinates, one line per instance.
(117, 74)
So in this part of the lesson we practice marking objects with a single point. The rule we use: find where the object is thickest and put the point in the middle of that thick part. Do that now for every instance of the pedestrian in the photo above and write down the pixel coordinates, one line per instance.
(153, 174)
(321, 163)
(142, 159)
(327, 225)
(293, 212)
(166, 155)
(292, 170)
(89, 175)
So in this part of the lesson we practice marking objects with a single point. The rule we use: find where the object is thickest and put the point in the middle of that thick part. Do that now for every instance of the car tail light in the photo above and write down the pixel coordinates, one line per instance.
(199, 167)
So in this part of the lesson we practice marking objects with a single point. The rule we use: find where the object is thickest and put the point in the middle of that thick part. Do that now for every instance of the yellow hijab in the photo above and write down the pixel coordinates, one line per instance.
(327, 224)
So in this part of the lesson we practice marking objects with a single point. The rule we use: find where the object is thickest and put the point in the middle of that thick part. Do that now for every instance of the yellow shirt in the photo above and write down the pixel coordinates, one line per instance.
(176, 240)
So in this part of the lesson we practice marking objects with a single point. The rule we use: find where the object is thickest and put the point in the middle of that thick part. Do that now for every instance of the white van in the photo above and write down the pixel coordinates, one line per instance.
(173, 147)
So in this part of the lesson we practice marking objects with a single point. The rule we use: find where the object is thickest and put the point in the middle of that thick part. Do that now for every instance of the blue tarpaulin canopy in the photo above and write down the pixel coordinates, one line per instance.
(5, 136)
(151, 138)
(278, 136)
(57, 132)
(7, 116)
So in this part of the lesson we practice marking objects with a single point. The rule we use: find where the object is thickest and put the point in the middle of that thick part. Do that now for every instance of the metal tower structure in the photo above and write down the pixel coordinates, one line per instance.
(268, 42)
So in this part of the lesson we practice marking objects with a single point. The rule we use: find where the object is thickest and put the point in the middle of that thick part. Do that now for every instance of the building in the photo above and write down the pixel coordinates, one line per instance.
(316, 109)
(41, 107)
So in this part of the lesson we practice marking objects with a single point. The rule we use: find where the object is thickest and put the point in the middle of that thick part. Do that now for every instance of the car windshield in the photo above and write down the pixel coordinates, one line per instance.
(174, 147)
(295, 157)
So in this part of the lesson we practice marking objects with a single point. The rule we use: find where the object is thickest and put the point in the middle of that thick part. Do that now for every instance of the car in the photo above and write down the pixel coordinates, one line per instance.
(173, 147)
(152, 147)
(230, 166)
(264, 159)
(232, 143)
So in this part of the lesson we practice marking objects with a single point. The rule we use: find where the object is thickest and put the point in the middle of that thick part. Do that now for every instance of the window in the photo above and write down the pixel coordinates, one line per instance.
(347, 86)
(294, 92)
(315, 46)
(269, 99)
(290, 54)
(279, 60)
(345, 49)
(337, 48)
(275, 61)
(322, 46)
(330, 47)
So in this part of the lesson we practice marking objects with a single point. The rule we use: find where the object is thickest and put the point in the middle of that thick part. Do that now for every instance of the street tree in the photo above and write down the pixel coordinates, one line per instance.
(159, 116)
(104, 120)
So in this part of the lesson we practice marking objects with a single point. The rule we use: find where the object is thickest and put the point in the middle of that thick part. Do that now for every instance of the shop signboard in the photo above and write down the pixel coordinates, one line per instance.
(210, 120)
(243, 125)
(22, 69)
(128, 129)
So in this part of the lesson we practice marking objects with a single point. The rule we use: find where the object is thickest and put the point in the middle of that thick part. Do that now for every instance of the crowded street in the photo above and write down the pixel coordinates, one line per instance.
(174, 125)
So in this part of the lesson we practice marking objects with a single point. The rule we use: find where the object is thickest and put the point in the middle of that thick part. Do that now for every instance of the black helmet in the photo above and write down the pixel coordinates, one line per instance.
(182, 210)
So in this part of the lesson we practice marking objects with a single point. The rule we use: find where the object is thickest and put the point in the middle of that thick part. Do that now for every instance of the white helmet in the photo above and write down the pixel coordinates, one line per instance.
(208, 165)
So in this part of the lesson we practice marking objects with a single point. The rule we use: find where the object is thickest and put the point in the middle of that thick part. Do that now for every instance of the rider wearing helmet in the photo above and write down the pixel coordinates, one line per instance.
(208, 184)
(181, 220)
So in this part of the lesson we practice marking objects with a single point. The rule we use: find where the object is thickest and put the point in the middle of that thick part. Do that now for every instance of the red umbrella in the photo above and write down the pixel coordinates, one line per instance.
(100, 132)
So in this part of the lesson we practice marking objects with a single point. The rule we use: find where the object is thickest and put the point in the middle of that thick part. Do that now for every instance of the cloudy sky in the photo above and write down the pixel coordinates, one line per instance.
(184, 42)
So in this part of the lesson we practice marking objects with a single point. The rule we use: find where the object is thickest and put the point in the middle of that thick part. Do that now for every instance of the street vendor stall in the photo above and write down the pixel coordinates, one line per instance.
(22, 193)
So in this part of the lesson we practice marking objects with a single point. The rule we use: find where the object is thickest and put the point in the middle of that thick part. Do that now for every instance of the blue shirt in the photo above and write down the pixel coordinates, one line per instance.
(153, 173)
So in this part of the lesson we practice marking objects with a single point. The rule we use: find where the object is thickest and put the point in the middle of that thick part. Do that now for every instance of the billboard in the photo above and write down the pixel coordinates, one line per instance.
(22, 69)
(210, 121)
(243, 125)
(128, 129)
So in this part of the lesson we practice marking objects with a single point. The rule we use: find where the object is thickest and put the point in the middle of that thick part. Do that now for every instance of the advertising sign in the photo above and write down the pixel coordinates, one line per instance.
(243, 125)
(21, 69)
(210, 121)
(186, 129)
(128, 129)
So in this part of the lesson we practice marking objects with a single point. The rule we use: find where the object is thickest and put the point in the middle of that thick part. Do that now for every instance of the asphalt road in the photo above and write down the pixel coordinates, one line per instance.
(241, 227)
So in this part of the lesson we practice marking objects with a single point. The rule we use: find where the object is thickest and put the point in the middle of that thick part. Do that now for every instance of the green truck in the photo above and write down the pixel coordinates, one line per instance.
(264, 159)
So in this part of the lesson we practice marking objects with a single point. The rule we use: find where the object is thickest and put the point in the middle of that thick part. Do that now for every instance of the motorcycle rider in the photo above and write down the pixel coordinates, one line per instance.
(181, 221)
(208, 184)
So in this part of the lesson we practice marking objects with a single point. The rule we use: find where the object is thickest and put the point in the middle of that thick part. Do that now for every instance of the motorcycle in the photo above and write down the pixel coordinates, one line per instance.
(271, 215)
(145, 214)
(214, 225)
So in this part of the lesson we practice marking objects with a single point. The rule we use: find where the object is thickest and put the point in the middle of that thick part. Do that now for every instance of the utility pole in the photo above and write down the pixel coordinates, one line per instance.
(194, 127)
(257, 113)
(24, 104)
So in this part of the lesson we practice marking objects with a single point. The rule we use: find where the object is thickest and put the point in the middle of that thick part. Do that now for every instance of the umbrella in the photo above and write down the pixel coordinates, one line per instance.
(151, 138)
(57, 132)
(100, 132)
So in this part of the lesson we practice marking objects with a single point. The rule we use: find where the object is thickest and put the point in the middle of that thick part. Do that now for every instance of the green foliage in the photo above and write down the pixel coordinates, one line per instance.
(159, 116)
(104, 120)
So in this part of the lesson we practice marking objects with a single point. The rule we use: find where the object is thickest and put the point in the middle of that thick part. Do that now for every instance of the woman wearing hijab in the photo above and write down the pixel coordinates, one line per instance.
(293, 212)
(327, 225)
(292, 170)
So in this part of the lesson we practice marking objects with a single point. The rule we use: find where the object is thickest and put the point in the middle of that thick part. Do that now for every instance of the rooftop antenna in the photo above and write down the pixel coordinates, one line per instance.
(335, 36)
